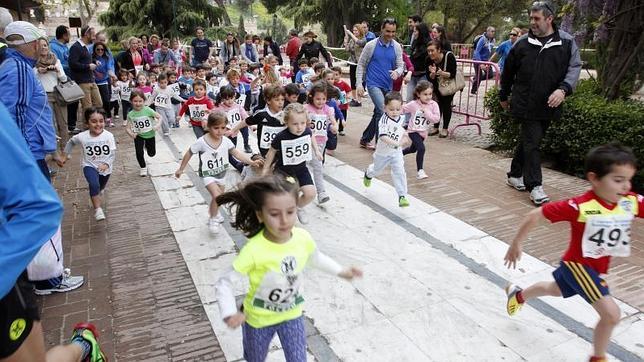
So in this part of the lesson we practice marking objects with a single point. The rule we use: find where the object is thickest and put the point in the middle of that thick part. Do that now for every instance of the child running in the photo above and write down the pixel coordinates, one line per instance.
(213, 149)
(322, 120)
(143, 124)
(198, 106)
(391, 138)
(422, 110)
(125, 90)
(273, 260)
(600, 221)
(236, 115)
(290, 150)
(161, 97)
(99, 151)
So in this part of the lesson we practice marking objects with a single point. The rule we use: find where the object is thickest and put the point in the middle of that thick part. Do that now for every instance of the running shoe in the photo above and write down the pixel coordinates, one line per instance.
(87, 332)
(538, 196)
(443, 134)
(513, 305)
(68, 283)
(421, 175)
(403, 202)
(516, 183)
(323, 197)
(366, 181)
(143, 172)
(302, 216)
(99, 214)
(433, 132)
(166, 134)
(355, 103)
(213, 226)
(218, 219)
(342, 133)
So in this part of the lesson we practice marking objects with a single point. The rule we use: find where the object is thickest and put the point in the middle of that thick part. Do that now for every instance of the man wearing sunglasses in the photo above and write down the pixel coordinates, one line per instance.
(541, 69)
(503, 49)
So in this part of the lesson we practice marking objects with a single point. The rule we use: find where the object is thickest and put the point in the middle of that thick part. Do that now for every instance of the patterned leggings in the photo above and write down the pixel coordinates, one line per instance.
(291, 334)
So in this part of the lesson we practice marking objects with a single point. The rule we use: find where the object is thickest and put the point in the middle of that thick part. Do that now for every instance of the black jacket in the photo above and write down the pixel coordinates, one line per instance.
(532, 72)
(124, 61)
(276, 51)
(79, 60)
(313, 50)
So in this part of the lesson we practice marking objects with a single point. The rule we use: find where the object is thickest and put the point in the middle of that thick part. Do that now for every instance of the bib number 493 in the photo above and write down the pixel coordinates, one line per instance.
(607, 235)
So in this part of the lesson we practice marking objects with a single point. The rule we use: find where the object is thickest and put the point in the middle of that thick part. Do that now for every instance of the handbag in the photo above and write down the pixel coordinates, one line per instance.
(449, 86)
(69, 92)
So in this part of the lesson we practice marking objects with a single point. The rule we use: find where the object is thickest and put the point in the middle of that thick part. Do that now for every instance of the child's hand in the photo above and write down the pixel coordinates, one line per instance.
(334, 129)
(235, 320)
(103, 167)
(512, 256)
(204, 124)
(178, 173)
(405, 141)
(350, 273)
(257, 163)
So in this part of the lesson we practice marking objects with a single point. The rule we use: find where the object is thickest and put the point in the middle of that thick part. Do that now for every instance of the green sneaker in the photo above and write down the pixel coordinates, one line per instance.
(403, 202)
(366, 180)
(88, 333)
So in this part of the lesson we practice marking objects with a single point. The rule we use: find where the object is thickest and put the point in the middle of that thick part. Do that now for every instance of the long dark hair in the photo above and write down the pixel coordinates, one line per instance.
(421, 42)
(250, 198)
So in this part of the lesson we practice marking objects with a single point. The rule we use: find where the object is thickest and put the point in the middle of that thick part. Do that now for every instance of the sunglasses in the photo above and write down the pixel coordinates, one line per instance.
(513, 34)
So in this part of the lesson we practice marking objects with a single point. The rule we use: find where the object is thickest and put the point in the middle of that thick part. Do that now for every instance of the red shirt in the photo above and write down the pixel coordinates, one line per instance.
(343, 86)
(293, 47)
(193, 101)
(575, 211)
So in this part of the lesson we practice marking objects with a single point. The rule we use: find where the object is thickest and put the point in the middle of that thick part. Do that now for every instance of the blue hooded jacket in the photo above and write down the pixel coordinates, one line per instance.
(62, 53)
(30, 210)
(26, 101)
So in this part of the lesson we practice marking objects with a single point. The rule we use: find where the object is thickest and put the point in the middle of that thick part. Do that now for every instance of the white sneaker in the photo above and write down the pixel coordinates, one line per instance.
(516, 182)
(301, 215)
(143, 172)
(218, 219)
(421, 175)
(166, 134)
(124, 123)
(538, 196)
(213, 226)
(99, 214)
(68, 283)
(323, 197)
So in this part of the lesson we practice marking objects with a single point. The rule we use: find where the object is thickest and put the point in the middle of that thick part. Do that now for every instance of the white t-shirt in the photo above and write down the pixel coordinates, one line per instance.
(96, 150)
(392, 128)
(213, 162)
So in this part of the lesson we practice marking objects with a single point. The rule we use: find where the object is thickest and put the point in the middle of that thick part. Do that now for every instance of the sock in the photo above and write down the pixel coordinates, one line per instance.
(519, 296)
(597, 359)
(85, 346)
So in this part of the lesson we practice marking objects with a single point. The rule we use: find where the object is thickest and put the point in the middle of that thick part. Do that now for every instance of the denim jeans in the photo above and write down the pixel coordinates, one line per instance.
(378, 98)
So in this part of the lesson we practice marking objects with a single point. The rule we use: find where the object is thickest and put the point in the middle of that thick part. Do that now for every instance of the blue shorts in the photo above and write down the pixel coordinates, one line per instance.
(575, 278)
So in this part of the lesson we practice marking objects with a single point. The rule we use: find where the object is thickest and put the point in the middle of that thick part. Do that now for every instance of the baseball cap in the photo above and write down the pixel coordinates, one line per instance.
(26, 30)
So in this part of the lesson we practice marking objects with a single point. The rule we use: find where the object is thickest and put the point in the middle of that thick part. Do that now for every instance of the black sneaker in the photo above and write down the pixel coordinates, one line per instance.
(355, 103)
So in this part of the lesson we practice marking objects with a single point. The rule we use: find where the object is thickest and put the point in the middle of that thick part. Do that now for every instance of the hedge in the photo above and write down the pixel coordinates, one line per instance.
(588, 120)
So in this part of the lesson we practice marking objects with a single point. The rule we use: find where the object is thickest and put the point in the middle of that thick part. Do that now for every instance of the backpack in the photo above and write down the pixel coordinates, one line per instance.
(476, 40)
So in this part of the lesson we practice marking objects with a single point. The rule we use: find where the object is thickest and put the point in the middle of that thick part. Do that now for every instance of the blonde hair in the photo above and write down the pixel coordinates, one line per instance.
(361, 30)
(232, 72)
(293, 109)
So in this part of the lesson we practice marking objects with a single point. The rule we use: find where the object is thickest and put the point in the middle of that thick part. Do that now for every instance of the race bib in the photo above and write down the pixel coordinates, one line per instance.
(306, 78)
(285, 81)
(97, 152)
(162, 100)
(241, 100)
(318, 124)
(175, 88)
(213, 164)
(147, 97)
(115, 94)
(278, 292)
(268, 135)
(126, 92)
(296, 151)
(606, 235)
(234, 117)
(137, 69)
(142, 125)
(198, 112)
(395, 131)
(419, 122)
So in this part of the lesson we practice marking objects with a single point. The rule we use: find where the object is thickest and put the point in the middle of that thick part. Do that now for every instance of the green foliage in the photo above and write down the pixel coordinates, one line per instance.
(588, 120)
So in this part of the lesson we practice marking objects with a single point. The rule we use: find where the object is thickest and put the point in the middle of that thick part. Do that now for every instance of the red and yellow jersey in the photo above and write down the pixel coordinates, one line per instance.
(599, 230)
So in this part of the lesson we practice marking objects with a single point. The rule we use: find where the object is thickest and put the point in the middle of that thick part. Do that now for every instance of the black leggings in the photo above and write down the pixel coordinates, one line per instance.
(106, 92)
(352, 75)
(445, 106)
(418, 146)
(150, 147)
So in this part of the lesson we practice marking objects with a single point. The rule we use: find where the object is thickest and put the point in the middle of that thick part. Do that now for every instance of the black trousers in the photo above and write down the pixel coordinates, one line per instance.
(527, 156)
(148, 144)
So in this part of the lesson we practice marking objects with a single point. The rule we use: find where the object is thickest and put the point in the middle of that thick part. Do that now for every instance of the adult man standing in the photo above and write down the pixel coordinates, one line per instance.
(82, 68)
(540, 71)
(312, 48)
(503, 49)
(59, 47)
(292, 50)
(369, 35)
(412, 23)
(379, 65)
(483, 52)
(200, 48)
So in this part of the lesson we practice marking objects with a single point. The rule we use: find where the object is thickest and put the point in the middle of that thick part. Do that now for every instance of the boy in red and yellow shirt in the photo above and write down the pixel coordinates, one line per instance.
(198, 108)
(600, 223)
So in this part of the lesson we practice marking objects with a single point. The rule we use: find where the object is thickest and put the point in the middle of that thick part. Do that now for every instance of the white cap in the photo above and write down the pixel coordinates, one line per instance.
(27, 31)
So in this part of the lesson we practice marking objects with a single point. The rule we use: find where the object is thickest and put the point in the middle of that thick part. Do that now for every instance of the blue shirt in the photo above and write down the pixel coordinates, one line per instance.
(503, 50)
(382, 62)
(26, 101)
(30, 211)
(62, 53)
(370, 36)
(483, 49)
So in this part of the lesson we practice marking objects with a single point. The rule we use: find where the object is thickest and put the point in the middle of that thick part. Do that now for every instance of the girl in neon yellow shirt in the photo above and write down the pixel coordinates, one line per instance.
(273, 260)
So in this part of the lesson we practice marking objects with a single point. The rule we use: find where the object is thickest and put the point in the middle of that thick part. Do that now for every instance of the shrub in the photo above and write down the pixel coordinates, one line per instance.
(588, 120)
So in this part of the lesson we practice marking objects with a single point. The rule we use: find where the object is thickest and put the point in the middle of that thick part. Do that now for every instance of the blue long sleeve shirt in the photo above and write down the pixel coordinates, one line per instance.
(30, 210)
(483, 50)
(62, 53)
(26, 101)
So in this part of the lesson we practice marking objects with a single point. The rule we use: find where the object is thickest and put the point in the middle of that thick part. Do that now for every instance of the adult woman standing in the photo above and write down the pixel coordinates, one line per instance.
(418, 58)
(312, 48)
(442, 65)
(50, 72)
(438, 32)
(354, 41)
(102, 76)
(230, 50)
(132, 60)
(154, 43)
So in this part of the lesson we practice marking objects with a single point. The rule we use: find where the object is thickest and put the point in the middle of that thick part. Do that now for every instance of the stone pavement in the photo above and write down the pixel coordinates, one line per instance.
(137, 288)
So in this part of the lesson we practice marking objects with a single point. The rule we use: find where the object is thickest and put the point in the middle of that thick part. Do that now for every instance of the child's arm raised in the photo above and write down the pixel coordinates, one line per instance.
(184, 162)
(514, 252)
(270, 157)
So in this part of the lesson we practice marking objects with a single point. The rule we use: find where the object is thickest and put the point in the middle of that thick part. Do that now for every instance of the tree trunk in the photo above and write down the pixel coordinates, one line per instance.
(221, 4)
(624, 47)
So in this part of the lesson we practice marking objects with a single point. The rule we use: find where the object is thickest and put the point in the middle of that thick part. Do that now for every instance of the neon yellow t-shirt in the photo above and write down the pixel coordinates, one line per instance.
(274, 271)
